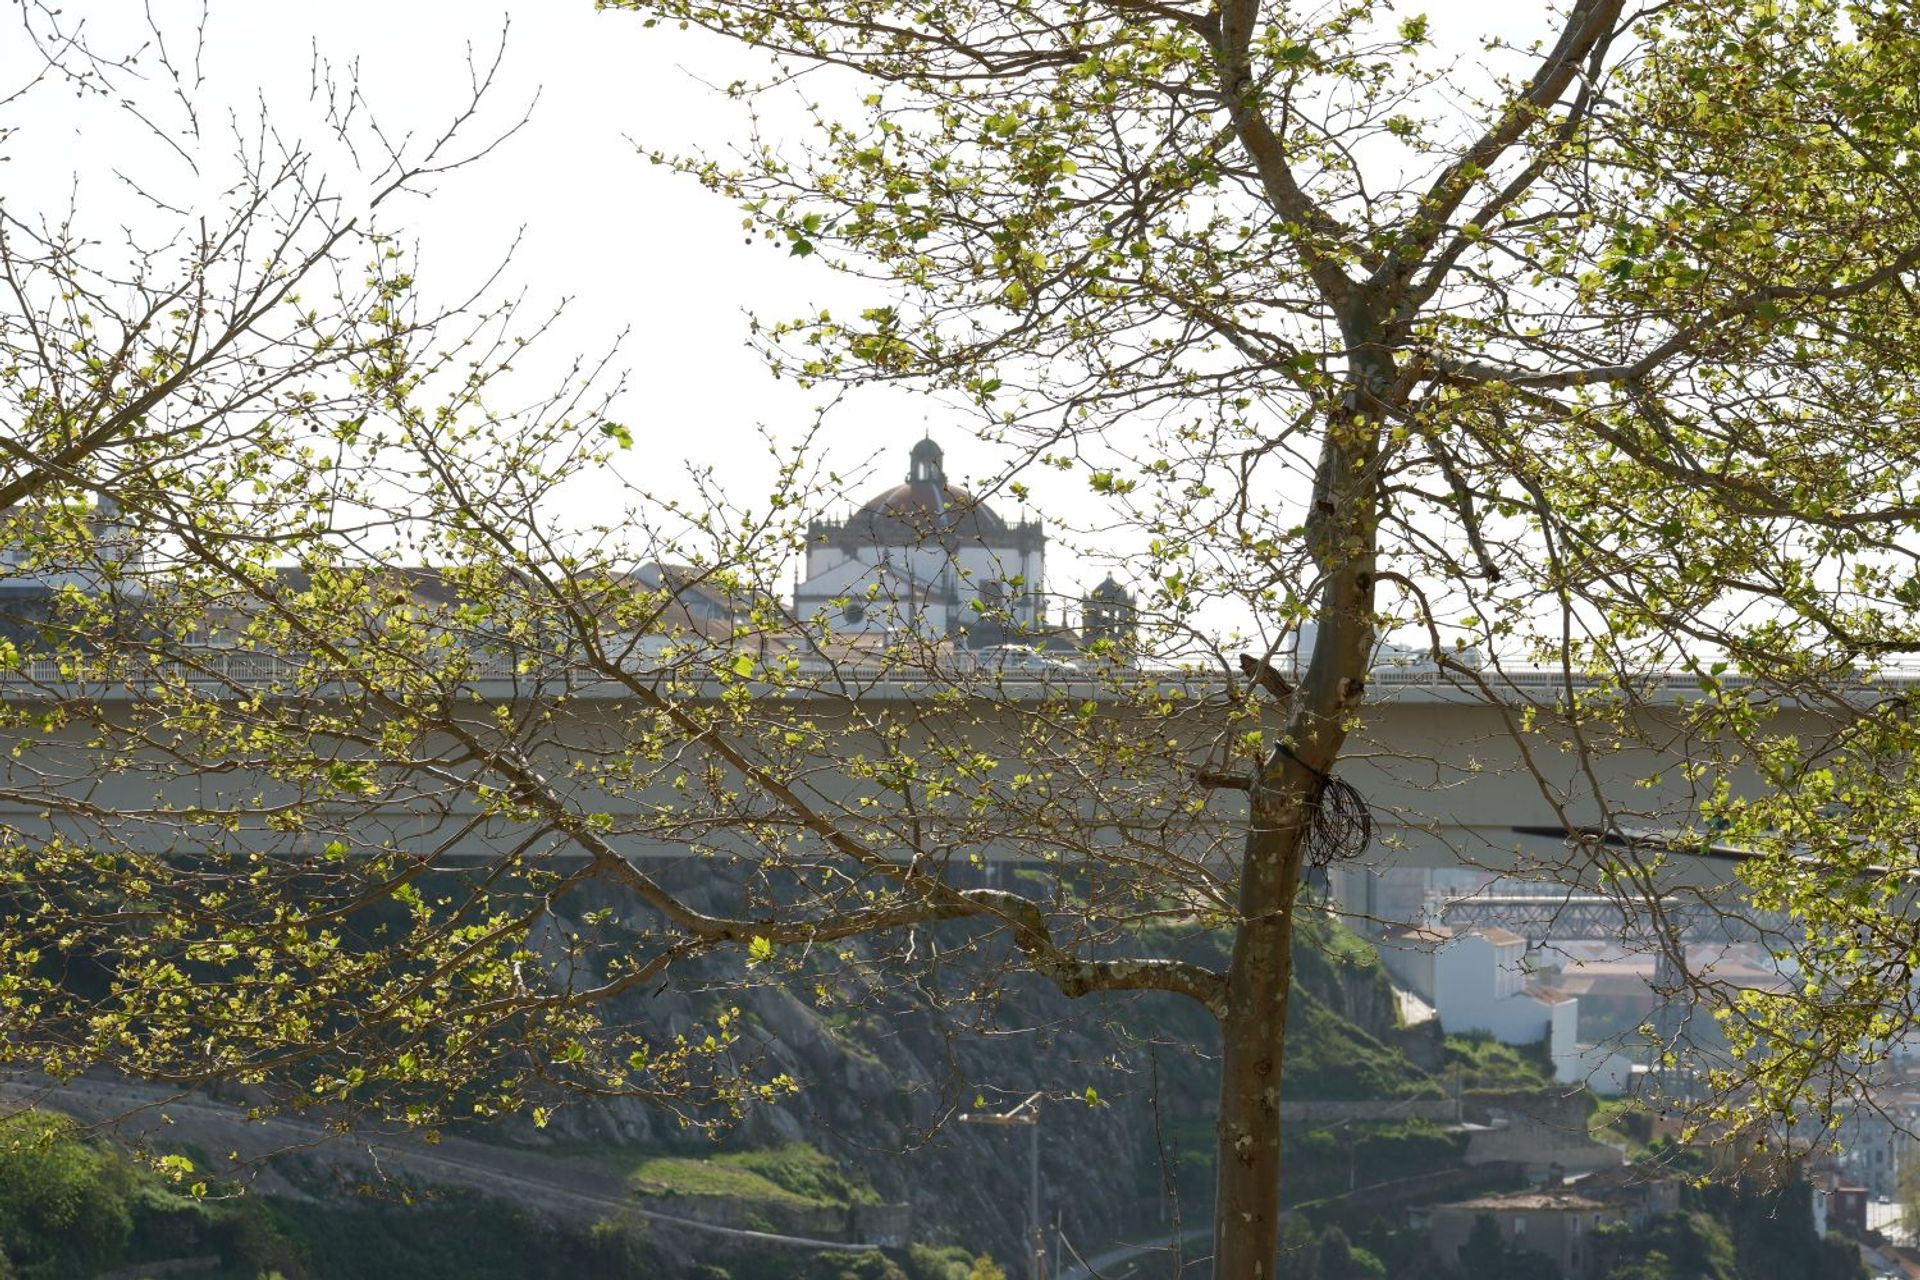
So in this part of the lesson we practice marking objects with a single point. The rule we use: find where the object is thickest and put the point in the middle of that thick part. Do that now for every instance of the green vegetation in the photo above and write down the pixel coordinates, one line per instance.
(1328, 1058)
(1485, 1063)
(1772, 1234)
(793, 1174)
(1327, 1254)
(1674, 1245)
(1325, 1162)
(454, 1237)
(1624, 1121)
(1321, 940)
(1628, 325)
(925, 1262)
(1726, 1234)
(71, 1208)
(1488, 1256)
(66, 1205)
(919, 1262)
(870, 1265)
(1189, 1151)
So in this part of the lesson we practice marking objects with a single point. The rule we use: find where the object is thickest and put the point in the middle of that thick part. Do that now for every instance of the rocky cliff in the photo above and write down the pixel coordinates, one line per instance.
(888, 1055)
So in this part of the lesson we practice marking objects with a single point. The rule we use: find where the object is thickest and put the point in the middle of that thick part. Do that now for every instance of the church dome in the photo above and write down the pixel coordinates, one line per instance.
(925, 507)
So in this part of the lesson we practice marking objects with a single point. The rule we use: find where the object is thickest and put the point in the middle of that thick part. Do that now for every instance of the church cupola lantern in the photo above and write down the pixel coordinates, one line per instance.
(925, 464)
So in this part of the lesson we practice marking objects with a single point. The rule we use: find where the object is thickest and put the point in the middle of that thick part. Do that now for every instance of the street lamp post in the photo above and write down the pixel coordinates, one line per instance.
(1028, 1114)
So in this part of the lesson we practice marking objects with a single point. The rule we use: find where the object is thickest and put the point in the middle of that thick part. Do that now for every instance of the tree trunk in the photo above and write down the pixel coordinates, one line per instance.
(1246, 1220)
(1341, 534)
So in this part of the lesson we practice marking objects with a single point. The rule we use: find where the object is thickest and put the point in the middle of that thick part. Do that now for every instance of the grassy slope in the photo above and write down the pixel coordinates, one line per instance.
(793, 1174)
(1329, 1057)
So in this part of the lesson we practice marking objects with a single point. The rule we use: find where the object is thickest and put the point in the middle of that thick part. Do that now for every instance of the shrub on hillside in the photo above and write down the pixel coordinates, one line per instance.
(65, 1203)
(871, 1265)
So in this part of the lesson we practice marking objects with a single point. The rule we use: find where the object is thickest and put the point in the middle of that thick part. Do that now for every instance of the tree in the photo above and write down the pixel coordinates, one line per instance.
(866, 1266)
(65, 1204)
(1488, 1253)
(1337, 1259)
(1548, 374)
(1673, 1244)
(267, 311)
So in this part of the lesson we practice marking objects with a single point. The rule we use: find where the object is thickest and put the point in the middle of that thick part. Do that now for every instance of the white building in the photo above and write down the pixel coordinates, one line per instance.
(1480, 984)
(929, 558)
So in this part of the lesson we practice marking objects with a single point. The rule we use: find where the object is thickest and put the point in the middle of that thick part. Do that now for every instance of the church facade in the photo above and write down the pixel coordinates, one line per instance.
(928, 558)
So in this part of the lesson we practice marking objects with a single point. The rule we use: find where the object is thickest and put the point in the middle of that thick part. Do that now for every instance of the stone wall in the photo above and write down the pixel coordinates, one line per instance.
(889, 1226)
(1438, 1110)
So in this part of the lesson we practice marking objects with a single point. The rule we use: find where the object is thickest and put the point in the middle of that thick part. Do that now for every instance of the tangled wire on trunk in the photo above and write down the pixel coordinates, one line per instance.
(1341, 827)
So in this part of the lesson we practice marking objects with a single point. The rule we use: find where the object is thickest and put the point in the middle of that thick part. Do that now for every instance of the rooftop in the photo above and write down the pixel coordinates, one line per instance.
(1427, 934)
(1496, 935)
(925, 507)
(1527, 1202)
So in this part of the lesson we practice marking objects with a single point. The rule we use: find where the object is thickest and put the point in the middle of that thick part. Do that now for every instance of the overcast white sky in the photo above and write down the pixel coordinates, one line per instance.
(634, 247)
(631, 246)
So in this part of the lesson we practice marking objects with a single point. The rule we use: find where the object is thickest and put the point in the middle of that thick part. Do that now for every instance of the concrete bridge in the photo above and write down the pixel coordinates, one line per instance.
(1590, 917)
(1451, 778)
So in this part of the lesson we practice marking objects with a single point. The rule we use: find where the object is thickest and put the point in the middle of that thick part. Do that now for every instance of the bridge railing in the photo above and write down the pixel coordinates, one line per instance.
(251, 669)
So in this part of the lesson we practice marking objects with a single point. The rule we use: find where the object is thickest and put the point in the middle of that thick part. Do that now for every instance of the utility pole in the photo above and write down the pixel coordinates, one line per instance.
(1346, 1126)
(1028, 1114)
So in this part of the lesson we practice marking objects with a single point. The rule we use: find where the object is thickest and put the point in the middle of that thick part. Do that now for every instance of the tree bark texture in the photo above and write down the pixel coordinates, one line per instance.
(1342, 533)
(1253, 1048)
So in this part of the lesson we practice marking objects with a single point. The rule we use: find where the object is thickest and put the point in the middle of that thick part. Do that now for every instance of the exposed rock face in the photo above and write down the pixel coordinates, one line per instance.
(1362, 996)
(888, 1055)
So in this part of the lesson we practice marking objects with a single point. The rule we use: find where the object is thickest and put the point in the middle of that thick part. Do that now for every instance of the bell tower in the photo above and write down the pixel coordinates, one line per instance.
(1108, 615)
